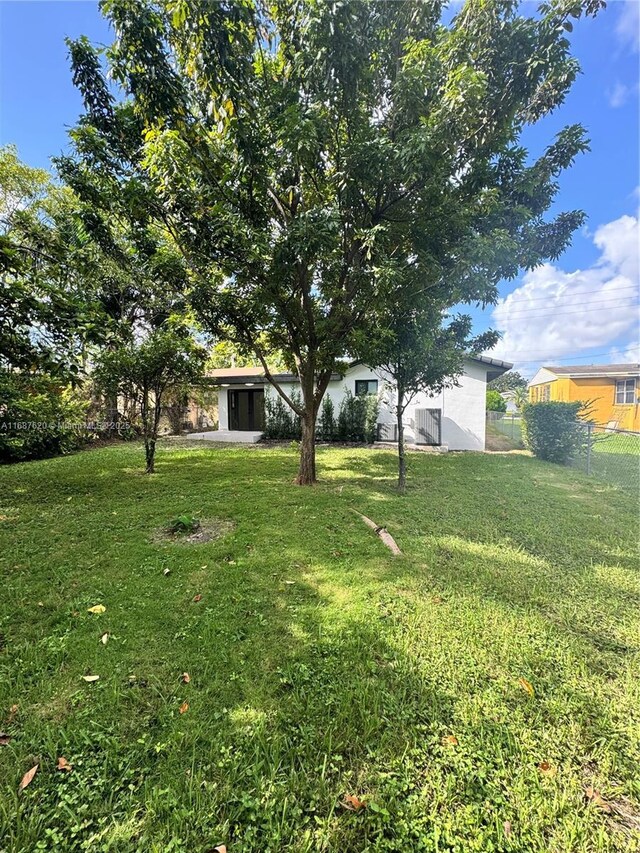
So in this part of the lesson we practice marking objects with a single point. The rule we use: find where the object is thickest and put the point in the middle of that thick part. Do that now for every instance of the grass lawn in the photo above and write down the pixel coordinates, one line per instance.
(615, 458)
(479, 693)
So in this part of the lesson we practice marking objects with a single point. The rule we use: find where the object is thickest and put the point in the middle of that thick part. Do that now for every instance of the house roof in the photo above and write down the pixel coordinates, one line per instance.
(250, 376)
(255, 375)
(586, 370)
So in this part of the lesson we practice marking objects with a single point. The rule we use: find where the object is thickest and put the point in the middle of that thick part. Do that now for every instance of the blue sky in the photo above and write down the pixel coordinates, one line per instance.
(580, 309)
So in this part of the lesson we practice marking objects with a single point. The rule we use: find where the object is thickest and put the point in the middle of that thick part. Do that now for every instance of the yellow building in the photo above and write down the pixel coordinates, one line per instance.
(612, 390)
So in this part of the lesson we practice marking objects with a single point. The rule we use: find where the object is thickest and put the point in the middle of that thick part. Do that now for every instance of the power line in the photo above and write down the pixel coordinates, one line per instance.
(568, 293)
(549, 358)
(596, 307)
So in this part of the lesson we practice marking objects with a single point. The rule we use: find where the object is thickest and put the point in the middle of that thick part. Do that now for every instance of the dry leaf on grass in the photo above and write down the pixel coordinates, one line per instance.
(4, 738)
(185, 678)
(197, 598)
(184, 707)
(90, 678)
(547, 769)
(527, 686)
(104, 639)
(221, 848)
(596, 798)
(13, 710)
(507, 828)
(352, 803)
(97, 608)
(450, 740)
(166, 572)
(63, 764)
(27, 779)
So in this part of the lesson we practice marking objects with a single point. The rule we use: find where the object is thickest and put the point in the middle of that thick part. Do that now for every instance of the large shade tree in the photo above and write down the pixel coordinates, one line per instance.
(295, 150)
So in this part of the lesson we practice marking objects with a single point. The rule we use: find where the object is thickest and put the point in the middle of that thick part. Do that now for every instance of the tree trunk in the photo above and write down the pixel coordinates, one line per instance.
(402, 461)
(150, 454)
(307, 470)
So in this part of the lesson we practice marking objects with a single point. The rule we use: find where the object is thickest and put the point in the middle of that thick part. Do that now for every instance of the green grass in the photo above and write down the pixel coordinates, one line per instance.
(320, 665)
(615, 458)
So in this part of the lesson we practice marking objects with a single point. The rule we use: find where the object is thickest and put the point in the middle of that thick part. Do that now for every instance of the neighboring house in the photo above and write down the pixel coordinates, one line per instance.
(611, 389)
(454, 418)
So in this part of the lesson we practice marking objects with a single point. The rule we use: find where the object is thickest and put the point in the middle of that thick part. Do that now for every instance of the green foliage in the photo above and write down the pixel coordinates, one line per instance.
(552, 431)
(357, 417)
(509, 381)
(302, 155)
(495, 401)
(281, 423)
(327, 421)
(167, 359)
(39, 417)
(183, 524)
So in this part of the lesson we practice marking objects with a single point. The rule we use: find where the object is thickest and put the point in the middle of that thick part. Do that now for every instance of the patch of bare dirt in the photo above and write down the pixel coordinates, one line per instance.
(209, 530)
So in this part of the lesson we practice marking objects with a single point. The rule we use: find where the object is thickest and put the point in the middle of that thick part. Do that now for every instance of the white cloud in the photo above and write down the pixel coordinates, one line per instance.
(620, 94)
(628, 24)
(556, 313)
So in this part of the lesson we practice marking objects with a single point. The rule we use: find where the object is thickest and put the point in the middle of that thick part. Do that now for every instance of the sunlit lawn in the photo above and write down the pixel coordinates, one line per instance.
(480, 692)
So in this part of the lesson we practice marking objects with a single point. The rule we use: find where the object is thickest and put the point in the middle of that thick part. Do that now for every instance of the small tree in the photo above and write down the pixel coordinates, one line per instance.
(495, 401)
(168, 358)
(411, 344)
(327, 420)
(509, 381)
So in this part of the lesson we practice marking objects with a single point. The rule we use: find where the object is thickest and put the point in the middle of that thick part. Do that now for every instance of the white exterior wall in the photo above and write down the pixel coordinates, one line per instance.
(463, 407)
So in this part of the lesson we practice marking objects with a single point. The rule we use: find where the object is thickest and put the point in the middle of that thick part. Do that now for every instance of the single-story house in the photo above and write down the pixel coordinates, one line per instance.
(454, 418)
(612, 389)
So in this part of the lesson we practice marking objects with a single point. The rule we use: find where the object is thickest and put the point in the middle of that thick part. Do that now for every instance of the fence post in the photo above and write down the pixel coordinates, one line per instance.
(589, 428)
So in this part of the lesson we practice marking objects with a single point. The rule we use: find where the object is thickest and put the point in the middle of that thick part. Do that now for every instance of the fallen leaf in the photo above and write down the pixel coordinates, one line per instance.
(547, 769)
(221, 848)
(185, 677)
(63, 764)
(28, 778)
(13, 710)
(90, 678)
(104, 639)
(451, 740)
(526, 686)
(4, 738)
(596, 798)
(353, 803)
(184, 707)
(437, 599)
(507, 828)
(289, 582)
(197, 597)
(166, 572)
(97, 608)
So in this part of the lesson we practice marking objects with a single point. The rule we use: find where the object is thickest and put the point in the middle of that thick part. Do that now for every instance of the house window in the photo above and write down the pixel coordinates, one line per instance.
(625, 391)
(366, 386)
(546, 393)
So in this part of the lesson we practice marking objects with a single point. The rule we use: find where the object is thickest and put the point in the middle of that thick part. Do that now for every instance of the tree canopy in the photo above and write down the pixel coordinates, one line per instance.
(300, 155)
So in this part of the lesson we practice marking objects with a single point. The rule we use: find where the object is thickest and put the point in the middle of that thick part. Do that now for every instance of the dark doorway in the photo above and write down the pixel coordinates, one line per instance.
(246, 410)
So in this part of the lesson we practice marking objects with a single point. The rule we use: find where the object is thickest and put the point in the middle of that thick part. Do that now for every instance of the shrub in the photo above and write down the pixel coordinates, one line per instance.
(280, 421)
(327, 421)
(495, 401)
(39, 417)
(552, 430)
(357, 418)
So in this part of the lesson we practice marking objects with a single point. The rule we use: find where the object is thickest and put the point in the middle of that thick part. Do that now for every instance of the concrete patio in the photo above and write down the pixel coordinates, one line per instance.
(230, 436)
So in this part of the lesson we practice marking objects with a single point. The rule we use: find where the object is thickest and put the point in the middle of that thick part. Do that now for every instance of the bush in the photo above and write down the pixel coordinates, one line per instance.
(39, 417)
(495, 401)
(357, 418)
(327, 422)
(552, 430)
(280, 421)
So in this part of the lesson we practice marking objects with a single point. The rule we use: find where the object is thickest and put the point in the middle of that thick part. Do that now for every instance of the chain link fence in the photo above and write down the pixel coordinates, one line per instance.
(610, 455)
(505, 425)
